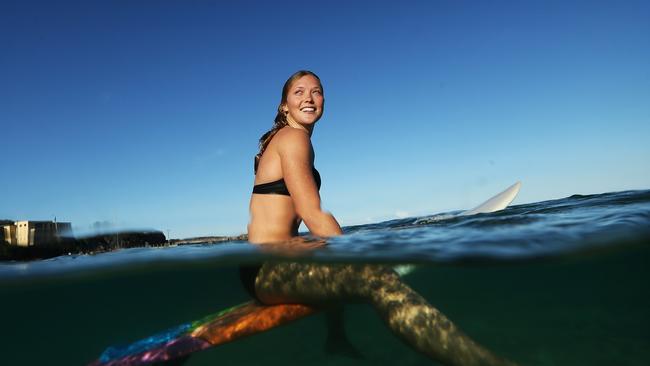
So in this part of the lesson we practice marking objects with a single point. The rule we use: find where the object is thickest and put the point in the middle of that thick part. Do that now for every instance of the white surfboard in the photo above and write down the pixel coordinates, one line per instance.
(496, 203)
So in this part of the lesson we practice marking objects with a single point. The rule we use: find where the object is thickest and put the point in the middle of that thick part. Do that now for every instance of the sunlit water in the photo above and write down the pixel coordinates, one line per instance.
(561, 282)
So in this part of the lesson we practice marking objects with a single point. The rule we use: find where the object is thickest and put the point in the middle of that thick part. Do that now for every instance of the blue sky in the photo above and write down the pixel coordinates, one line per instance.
(147, 113)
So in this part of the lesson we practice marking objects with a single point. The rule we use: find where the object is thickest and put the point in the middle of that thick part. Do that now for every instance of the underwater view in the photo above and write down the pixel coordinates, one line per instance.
(561, 282)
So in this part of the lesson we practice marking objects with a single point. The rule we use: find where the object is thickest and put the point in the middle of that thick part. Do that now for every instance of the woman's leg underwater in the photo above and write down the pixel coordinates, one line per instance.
(407, 313)
(337, 341)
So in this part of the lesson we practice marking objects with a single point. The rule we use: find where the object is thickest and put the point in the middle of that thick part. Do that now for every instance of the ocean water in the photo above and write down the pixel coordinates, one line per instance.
(562, 282)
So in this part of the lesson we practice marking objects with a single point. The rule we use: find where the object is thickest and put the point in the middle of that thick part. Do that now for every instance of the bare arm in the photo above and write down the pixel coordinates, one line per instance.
(295, 157)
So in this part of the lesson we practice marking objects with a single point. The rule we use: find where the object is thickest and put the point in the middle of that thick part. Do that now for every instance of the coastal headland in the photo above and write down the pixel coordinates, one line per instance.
(96, 243)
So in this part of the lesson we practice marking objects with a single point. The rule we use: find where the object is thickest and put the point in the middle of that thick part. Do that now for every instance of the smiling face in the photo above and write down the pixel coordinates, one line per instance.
(305, 101)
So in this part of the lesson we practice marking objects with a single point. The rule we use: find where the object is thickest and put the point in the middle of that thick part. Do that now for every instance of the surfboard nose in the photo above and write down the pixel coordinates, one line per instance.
(496, 203)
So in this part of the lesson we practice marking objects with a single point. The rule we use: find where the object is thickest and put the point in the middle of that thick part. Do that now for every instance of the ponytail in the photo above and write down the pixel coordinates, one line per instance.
(280, 121)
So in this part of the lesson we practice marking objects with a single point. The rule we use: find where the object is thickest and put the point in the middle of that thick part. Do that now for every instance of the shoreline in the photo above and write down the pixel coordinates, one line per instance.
(103, 243)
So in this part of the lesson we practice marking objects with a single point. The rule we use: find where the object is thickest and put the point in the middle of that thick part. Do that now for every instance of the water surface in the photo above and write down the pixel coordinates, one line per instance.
(560, 282)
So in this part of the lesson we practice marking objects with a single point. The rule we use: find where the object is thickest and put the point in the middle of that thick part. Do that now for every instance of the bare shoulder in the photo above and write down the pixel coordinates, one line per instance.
(289, 134)
(292, 141)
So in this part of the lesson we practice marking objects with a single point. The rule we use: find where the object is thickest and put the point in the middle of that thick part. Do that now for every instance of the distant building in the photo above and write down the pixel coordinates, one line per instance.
(28, 233)
(9, 234)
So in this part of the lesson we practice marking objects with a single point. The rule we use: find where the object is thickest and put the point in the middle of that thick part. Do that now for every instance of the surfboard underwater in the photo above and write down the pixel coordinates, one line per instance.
(239, 321)
(215, 329)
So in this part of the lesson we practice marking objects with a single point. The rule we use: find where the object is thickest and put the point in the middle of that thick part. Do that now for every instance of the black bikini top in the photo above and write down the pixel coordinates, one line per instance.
(279, 187)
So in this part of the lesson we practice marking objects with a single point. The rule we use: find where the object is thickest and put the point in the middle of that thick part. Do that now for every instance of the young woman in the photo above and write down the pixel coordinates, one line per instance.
(286, 193)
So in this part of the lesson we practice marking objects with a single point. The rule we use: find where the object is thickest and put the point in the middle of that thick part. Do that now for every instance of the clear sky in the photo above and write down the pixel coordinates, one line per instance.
(146, 114)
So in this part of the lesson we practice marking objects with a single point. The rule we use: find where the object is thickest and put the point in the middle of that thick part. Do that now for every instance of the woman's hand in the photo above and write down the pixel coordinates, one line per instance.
(294, 247)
